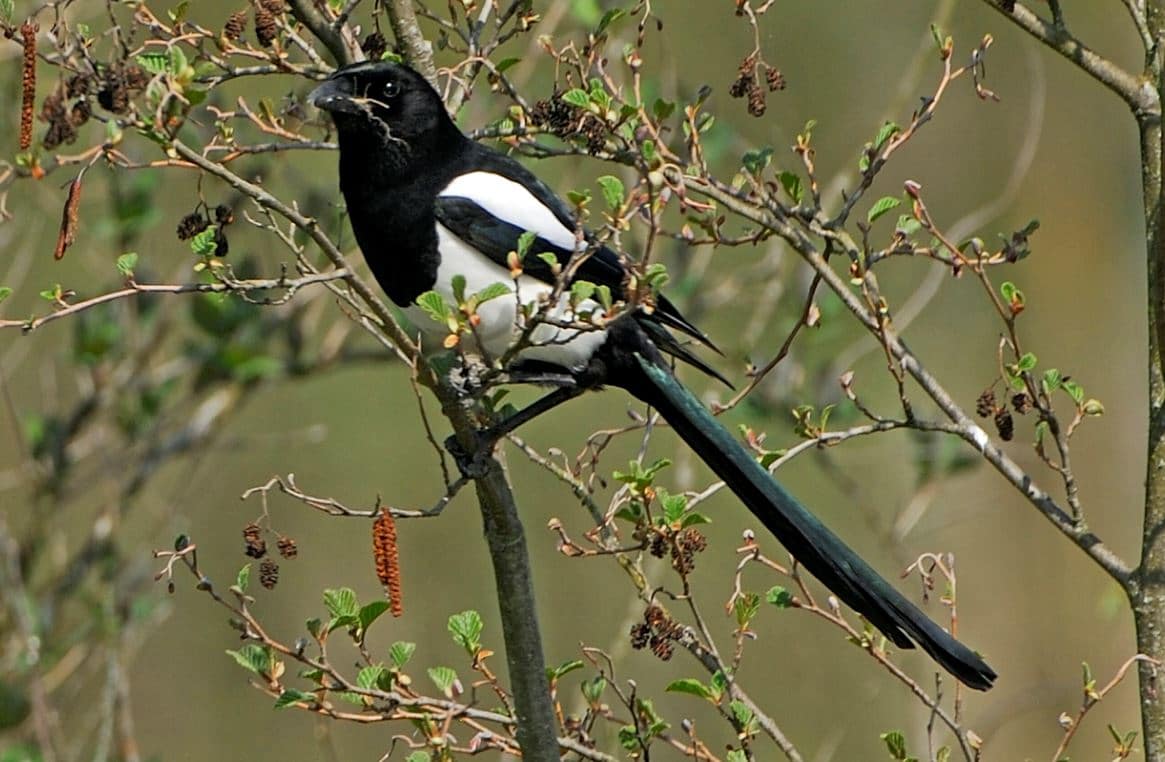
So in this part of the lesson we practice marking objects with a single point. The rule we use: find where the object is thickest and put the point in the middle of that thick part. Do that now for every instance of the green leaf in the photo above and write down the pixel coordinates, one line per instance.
(690, 686)
(5, 292)
(592, 689)
(550, 258)
(491, 292)
(745, 608)
(6, 10)
(506, 63)
(373, 677)
(756, 161)
(253, 657)
(290, 696)
(466, 630)
(1008, 290)
(673, 506)
(557, 673)
(889, 129)
(127, 262)
(370, 612)
(579, 198)
(608, 18)
(692, 518)
(341, 602)
(419, 756)
(434, 306)
(243, 578)
(744, 716)
(576, 97)
(791, 182)
(315, 627)
(204, 244)
(779, 597)
(907, 225)
(604, 294)
(881, 206)
(443, 678)
(154, 63)
(400, 652)
(736, 755)
(1075, 391)
(581, 290)
(458, 284)
(525, 241)
(662, 109)
(612, 190)
(895, 744)
(1027, 362)
(1052, 380)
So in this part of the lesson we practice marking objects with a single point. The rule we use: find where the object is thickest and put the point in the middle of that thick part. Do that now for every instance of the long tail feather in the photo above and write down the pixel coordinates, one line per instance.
(812, 543)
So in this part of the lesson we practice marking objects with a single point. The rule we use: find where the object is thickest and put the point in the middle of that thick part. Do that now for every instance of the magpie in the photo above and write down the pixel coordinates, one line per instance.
(430, 207)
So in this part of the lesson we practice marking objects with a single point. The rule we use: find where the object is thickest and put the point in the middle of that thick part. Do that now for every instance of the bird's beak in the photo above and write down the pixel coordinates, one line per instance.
(334, 95)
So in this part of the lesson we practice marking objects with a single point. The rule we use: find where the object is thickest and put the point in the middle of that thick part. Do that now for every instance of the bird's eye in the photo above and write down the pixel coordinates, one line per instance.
(391, 89)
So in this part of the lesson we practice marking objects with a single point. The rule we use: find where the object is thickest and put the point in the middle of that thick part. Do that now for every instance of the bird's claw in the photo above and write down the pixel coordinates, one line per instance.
(471, 463)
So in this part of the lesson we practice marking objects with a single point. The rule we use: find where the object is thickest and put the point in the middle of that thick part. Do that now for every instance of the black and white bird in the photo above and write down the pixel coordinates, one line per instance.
(428, 204)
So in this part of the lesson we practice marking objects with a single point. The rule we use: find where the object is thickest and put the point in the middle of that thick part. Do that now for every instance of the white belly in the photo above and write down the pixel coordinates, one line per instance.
(500, 327)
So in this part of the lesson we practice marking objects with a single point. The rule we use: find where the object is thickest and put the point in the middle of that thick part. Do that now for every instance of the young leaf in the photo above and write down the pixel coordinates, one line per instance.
(400, 652)
(434, 306)
(690, 686)
(612, 190)
(791, 182)
(370, 612)
(291, 696)
(525, 240)
(779, 597)
(756, 161)
(466, 630)
(243, 578)
(341, 602)
(576, 97)
(127, 262)
(881, 206)
(372, 677)
(254, 657)
(5, 292)
(491, 292)
(889, 129)
(444, 678)
(458, 284)
(154, 63)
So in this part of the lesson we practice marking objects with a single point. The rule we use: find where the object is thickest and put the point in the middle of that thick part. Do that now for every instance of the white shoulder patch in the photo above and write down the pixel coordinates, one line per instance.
(510, 201)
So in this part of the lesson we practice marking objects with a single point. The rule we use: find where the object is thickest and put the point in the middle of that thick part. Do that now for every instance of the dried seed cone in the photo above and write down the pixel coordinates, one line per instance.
(268, 574)
(985, 405)
(266, 27)
(235, 26)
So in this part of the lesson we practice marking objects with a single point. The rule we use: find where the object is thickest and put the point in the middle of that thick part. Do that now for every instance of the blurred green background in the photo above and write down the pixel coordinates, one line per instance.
(1028, 599)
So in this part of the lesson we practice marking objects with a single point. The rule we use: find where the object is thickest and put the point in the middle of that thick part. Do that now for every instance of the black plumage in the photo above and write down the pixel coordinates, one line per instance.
(427, 204)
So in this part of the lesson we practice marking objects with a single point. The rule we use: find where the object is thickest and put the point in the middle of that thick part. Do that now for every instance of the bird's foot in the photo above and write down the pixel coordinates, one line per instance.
(471, 463)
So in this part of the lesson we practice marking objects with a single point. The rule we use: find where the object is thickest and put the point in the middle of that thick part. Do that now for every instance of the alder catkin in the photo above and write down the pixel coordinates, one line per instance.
(385, 553)
(28, 83)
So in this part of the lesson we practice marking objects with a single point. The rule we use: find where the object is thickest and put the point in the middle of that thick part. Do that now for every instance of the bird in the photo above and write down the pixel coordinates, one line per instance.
(434, 211)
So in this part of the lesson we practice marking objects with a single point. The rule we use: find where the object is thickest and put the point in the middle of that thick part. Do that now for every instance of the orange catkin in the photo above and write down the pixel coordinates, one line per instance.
(28, 83)
(384, 551)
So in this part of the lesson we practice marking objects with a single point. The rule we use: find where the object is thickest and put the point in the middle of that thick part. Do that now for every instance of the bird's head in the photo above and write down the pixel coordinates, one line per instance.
(386, 106)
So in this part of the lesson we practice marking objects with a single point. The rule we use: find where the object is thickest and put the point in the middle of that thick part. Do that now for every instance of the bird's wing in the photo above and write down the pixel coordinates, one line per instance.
(491, 207)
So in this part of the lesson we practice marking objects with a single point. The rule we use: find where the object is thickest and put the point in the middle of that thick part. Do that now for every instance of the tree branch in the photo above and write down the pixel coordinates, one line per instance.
(1138, 94)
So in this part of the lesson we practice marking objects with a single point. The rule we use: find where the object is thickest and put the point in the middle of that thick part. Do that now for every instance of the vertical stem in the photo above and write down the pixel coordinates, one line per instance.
(1147, 590)
(537, 726)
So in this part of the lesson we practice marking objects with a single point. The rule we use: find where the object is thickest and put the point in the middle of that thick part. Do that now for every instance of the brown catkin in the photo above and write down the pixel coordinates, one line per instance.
(385, 553)
(68, 232)
(287, 547)
(28, 83)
